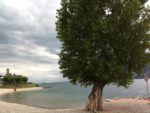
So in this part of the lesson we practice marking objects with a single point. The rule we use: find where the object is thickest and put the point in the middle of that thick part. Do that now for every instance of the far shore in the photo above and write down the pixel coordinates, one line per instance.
(116, 105)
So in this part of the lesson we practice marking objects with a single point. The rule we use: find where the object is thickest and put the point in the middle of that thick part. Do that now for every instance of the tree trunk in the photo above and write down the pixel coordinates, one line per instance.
(95, 98)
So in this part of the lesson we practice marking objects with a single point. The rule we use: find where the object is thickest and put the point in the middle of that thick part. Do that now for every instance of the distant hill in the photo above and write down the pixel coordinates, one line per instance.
(145, 70)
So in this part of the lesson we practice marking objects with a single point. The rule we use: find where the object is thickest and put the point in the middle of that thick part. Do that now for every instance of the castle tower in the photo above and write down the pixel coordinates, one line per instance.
(7, 71)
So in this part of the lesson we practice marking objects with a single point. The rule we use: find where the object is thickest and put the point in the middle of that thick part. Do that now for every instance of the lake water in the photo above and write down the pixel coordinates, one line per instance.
(65, 95)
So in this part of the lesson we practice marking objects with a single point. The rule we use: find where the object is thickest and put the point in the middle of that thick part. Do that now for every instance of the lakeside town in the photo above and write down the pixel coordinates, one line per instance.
(14, 81)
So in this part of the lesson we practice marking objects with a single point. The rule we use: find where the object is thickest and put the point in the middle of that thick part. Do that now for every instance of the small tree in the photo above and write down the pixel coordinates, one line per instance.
(25, 79)
(18, 79)
(103, 42)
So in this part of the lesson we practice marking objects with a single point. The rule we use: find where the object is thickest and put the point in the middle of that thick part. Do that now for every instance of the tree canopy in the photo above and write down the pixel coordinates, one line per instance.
(103, 41)
(14, 79)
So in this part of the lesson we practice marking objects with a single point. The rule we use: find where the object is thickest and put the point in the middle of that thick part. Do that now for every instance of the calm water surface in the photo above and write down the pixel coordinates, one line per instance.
(65, 95)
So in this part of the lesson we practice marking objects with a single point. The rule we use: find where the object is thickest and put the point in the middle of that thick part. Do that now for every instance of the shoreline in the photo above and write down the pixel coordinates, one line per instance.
(4, 91)
(115, 105)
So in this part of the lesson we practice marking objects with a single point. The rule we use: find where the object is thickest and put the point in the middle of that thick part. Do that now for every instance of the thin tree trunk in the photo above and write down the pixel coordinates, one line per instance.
(95, 98)
(100, 101)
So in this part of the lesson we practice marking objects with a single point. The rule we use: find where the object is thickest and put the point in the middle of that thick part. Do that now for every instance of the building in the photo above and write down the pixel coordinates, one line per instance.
(8, 72)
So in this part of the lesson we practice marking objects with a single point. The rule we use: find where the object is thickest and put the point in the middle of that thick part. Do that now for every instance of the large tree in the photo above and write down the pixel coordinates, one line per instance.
(103, 42)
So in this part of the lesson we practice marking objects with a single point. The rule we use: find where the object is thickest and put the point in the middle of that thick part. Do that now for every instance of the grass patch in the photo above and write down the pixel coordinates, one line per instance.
(28, 85)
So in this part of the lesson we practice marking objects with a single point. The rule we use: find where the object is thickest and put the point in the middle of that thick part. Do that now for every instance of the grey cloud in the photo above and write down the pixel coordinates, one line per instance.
(37, 31)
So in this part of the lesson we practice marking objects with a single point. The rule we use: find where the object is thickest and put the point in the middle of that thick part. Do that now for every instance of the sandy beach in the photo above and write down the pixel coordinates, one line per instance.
(118, 105)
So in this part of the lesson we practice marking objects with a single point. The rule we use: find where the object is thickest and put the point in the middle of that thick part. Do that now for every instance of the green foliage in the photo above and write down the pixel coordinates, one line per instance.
(103, 41)
(25, 79)
(14, 80)
(22, 85)
(8, 80)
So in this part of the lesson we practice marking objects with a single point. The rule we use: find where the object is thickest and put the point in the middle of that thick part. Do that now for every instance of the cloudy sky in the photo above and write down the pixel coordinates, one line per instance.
(28, 43)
